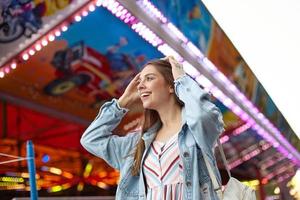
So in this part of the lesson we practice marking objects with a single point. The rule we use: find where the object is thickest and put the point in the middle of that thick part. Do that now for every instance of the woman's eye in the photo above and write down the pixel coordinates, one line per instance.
(149, 78)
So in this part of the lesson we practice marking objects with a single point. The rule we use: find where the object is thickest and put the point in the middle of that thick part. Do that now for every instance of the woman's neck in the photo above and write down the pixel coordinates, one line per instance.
(170, 115)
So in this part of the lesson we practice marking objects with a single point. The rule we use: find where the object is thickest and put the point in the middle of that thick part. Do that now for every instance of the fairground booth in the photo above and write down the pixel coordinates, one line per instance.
(62, 59)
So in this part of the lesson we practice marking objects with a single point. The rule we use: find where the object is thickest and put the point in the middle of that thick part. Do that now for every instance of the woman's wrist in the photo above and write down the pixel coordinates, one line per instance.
(123, 102)
(178, 75)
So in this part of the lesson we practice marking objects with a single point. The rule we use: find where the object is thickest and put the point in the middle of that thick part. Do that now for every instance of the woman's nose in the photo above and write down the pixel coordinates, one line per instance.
(140, 85)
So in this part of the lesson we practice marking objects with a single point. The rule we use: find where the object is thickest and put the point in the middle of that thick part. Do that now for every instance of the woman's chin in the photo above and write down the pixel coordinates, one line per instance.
(146, 105)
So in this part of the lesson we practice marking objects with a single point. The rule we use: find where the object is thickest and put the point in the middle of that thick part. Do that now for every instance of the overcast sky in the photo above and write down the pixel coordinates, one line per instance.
(267, 35)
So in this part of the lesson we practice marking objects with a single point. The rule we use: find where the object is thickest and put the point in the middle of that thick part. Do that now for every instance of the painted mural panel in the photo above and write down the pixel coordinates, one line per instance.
(21, 20)
(191, 18)
(90, 63)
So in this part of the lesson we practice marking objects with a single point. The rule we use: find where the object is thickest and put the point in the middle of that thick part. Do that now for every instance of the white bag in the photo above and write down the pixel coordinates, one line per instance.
(234, 190)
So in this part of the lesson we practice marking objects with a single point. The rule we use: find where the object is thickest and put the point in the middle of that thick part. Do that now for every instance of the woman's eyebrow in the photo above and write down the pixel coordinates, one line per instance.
(149, 74)
(146, 75)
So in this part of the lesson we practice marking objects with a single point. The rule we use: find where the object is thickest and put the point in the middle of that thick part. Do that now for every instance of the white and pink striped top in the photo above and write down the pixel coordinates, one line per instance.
(163, 171)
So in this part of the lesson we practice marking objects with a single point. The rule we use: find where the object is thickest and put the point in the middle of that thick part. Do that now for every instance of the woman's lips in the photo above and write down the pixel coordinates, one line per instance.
(145, 95)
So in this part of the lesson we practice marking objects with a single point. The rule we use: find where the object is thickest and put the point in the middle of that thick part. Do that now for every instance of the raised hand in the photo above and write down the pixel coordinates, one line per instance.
(130, 95)
(177, 68)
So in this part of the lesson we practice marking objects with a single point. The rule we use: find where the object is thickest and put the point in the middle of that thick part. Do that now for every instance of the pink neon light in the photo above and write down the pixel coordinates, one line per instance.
(64, 28)
(7, 70)
(31, 52)
(51, 37)
(38, 47)
(25, 56)
(77, 18)
(13, 65)
(92, 8)
(57, 33)
(84, 13)
(44, 42)
(248, 156)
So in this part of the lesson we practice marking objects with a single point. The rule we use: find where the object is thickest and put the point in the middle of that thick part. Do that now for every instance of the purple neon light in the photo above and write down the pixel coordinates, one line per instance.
(248, 155)
(279, 171)
(178, 33)
(242, 128)
(190, 69)
(271, 161)
(195, 50)
(152, 10)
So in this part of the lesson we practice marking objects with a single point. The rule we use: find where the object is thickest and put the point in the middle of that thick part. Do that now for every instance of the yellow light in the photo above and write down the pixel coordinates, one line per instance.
(277, 190)
(12, 179)
(253, 184)
(16, 187)
(88, 169)
(55, 170)
(56, 188)
(80, 186)
(7, 184)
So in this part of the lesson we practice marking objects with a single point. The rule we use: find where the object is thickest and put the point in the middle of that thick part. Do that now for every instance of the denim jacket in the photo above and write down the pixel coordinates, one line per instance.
(201, 125)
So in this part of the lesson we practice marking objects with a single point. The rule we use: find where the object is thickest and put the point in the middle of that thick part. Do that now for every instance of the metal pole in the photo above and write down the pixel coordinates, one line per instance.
(31, 169)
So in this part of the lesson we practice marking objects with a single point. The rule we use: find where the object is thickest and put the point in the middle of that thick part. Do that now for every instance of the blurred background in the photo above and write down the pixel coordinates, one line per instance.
(61, 60)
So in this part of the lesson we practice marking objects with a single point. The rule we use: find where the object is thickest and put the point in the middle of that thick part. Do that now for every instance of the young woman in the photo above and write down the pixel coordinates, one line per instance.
(165, 159)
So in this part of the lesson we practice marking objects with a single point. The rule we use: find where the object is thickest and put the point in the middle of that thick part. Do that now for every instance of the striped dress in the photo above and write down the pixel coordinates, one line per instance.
(163, 171)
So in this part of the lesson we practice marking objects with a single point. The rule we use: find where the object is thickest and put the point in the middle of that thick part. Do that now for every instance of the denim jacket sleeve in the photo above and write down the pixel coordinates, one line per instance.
(99, 140)
(202, 116)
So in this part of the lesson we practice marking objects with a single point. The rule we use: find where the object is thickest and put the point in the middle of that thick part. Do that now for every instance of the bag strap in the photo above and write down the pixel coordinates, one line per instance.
(224, 158)
(216, 185)
(212, 175)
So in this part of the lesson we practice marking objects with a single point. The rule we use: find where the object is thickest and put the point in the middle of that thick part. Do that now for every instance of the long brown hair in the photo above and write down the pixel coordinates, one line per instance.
(151, 116)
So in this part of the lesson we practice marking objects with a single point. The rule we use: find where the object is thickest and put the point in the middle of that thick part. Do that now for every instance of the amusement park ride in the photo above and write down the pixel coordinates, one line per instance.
(60, 60)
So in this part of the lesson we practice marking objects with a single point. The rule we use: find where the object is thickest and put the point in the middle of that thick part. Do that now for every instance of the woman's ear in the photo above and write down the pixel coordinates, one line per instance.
(171, 89)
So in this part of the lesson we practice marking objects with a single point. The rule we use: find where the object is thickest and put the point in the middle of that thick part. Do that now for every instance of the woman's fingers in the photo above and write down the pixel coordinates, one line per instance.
(130, 94)
(177, 68)
(136, 81)
(173, 61)
(165, 58)
(137, 77)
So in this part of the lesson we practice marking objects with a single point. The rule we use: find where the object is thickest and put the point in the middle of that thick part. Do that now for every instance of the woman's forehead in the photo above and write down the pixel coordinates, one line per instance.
(148, 69)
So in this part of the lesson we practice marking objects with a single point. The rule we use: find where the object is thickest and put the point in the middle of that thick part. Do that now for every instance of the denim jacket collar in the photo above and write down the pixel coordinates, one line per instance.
(149, 135)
